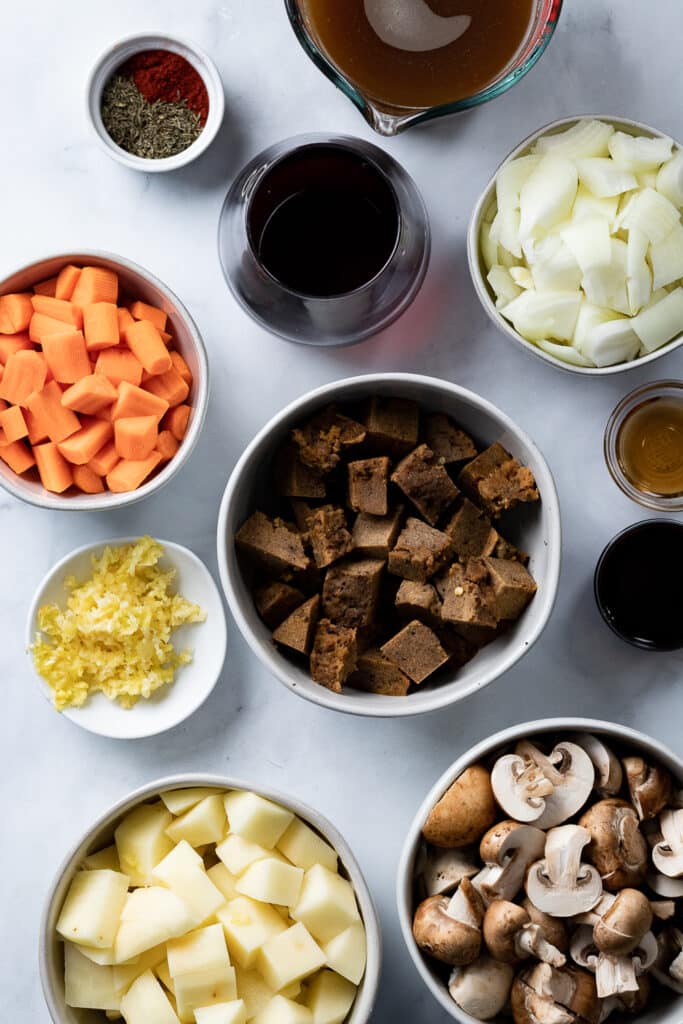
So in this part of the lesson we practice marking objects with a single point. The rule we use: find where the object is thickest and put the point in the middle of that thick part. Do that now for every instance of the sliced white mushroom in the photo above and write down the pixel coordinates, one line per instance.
(507, 850)
(668, 854)
(568, 989)
(608, 771)
(570, 770)
(520, 787)
(668, 967)
(663, 910)
(482, 988)
(560, 884)
(442, 871)
(669, 888)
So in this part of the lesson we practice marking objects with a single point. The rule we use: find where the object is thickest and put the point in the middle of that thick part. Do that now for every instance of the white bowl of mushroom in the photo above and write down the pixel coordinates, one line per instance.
(542, 878)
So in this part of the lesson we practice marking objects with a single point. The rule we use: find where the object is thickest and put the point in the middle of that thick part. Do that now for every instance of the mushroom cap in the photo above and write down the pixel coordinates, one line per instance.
(443, 870)
(507, 850)
(669, 888)
(618, 848)
(668, 854)
(573, 779)
(609, 776)
(481, 989)
(464, 812)
(621, 928)
(528, 1007)
(650, 786)
(553, 929)
(560, 885)
(441, 936)
(570, 987)
(503, 921)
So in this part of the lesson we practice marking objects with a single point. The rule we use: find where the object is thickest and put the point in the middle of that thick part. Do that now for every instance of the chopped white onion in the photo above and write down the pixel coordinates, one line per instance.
(504, 287)
(603, 178)
(666, 258)
(610, 343)
(547, 196)
(522, 277)
(652, 214)
(489, 247)
(661, 322)
(670, 179)
(567, 353)
(589, 242)
(584, 139)
(639, 153)
(638, 273)
(538, 315)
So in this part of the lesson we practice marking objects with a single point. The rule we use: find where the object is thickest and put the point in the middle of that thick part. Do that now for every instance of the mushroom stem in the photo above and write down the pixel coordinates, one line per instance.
(615, 974)
(530, 942)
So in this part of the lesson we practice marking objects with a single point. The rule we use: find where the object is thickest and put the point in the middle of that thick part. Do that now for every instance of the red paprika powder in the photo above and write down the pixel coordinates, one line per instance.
(162, 75)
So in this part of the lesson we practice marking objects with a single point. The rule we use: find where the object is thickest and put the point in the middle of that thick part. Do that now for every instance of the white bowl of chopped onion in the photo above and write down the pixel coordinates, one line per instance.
(114, 626)
(575, 246)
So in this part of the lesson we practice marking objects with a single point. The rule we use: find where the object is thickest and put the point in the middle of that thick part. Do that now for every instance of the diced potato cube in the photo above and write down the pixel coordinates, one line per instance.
(87, 985)
(107, 858)
(203, 823)
(304, 847)
(330, 998)
(248, 925)
(234, 1012)
(147, 1003)
(346, 953)
(141, 841)
(125, 974)
(149, 917)
(204, 988)
(284, 1011)
(223, 880)
(92, 908)
(182, 871)
(290, 956)
(164, 975)
(255, 818)
(327, 905)
(180, 800)
(271, 882)
(253, 990)
(201, 950)
(237, 853)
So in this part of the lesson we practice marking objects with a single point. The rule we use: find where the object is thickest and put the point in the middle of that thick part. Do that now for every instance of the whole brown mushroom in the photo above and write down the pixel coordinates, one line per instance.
(623, 925)
(511, 936)
(464, 812)
(618, 848)
(650, 786)
(450, 929)
(553, 929)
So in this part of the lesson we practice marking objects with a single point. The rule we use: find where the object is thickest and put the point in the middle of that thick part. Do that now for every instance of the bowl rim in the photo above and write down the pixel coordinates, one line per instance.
(474, 262)
(367, 991)
(170, 547)
(136, 42)
(483, 748)
(110, 500)
(442, 696)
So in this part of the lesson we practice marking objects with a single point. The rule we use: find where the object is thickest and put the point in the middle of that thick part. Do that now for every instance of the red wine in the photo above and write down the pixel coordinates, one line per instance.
(639, 585)
(323, 221)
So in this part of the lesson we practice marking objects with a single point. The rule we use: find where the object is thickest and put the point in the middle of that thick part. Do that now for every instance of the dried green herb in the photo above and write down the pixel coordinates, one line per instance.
(149, 130)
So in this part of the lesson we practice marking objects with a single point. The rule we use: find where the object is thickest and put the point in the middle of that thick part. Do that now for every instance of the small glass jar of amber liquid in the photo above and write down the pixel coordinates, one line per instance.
(644, 445)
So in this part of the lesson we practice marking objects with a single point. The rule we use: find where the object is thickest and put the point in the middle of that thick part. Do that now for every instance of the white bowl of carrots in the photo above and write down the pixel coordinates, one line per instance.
(104, 382)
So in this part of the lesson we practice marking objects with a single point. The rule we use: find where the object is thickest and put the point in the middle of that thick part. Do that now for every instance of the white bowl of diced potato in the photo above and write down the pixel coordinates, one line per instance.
(199, 899)
(564, 267)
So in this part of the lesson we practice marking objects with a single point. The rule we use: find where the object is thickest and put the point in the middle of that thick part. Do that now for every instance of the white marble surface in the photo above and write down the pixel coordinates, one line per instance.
(58, 190)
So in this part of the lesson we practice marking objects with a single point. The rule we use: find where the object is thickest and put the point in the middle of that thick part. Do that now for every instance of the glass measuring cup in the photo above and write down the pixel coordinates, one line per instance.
(388, 120)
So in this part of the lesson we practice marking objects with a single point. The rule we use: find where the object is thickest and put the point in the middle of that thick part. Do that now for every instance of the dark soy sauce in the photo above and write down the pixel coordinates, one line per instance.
(323, 221)
(639, 585)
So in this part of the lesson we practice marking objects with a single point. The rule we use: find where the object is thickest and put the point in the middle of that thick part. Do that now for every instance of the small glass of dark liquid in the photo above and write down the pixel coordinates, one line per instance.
(324, 240)
(639, 585)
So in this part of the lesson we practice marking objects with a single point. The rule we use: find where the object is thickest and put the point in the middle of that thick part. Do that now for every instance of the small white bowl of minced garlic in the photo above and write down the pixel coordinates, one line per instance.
(127, 636)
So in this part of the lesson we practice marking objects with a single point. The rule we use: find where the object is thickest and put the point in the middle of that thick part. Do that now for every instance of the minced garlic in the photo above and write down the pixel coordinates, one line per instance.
(115, 634)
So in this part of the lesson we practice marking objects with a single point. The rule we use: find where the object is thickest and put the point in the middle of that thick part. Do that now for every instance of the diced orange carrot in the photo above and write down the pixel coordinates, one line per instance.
(176, 421)
(55, 471)
(58, 309)
(167, 445)
(13, 424)
(42, 325)
(15, 312)
(48, 287)
(143, 311)
(87, 480)
(80, 447)
(144, 341)
(50, 415)
(36, 434)
(118, 364)
(170, 386)
(104, 460)
(67, 356)
(166, 338)
(17, 456)
(25, 373)
(11, 343)
(133, 401)
(101, 326)
(124, 317)
(181, 367)
(90, 394)
(67, 279)
(135, 437)
(127, 475)
(95, 284)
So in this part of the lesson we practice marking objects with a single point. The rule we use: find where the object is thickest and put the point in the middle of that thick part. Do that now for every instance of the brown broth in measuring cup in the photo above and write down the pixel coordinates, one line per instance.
(414, 53)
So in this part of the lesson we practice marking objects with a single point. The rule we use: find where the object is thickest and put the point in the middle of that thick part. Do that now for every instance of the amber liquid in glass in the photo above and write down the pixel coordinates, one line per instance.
(650, 447)
(397, 63)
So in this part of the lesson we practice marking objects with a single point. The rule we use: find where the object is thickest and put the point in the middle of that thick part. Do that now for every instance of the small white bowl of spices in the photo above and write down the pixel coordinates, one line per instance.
(155, 102)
